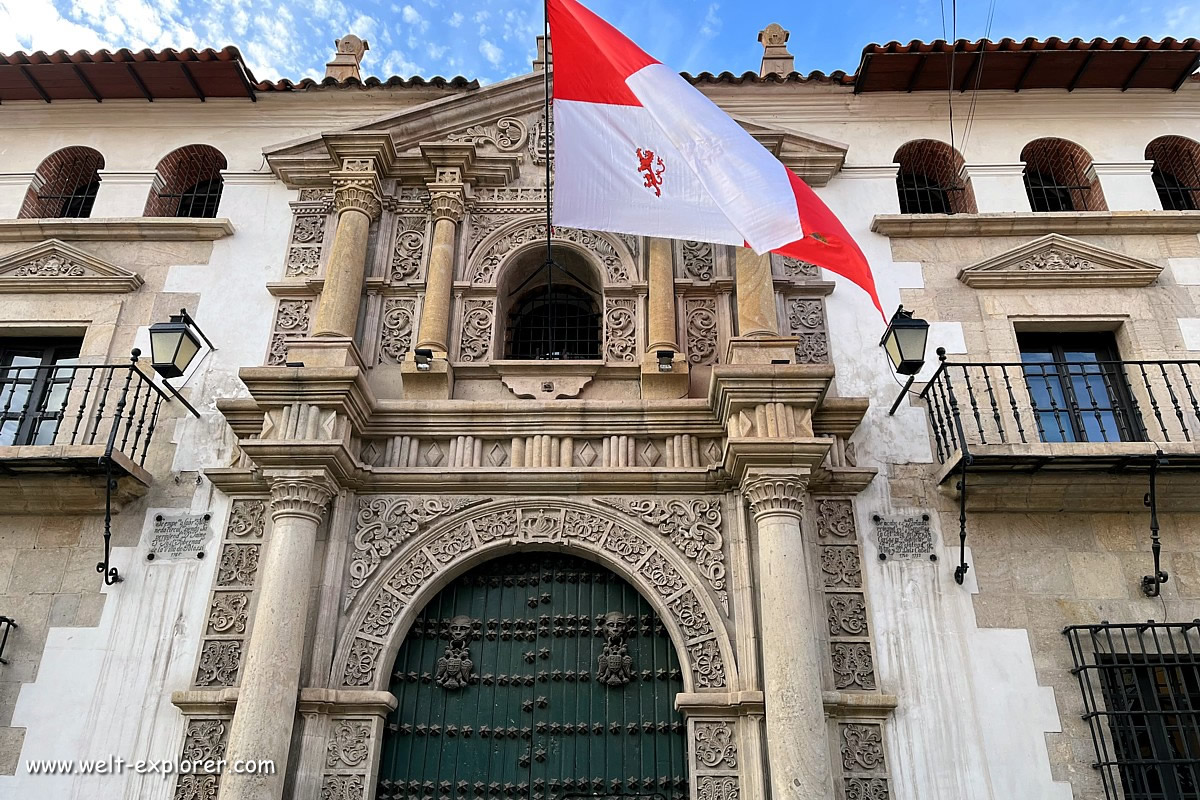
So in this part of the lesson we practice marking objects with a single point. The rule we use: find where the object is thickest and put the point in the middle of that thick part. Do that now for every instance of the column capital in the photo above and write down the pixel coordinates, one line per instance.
(775, 492)
(301, 495)
(357, 187)
(447, 202)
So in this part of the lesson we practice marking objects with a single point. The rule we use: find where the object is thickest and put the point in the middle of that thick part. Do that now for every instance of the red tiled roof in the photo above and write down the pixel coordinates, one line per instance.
(837, 77)
(1028, 64)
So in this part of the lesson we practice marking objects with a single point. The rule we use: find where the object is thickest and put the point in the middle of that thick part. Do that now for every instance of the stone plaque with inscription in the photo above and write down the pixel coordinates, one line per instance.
(176, 537)
(903, 536)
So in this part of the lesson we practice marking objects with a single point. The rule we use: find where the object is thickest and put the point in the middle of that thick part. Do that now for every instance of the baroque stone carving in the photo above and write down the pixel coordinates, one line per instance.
(302, 262)
(300, 496)
(691, 616)
(247, 519)
(447, 204)
(707, 664)
(292, 318)
(835, 519)
(700, 322)
(615, 666)
(309, 229)
(349, 744)
(853, 667)
(1054, 260)
(483, 225)
(220, 660)
(774, 494)
(357, 195)
(715, 745)
(476, 341)
(384, 522)
(862, 748)
(698, 261)
(228, 613)
(205, 740)
(239, 565)
(407, 249)
(508, 134)
(847, 615)
(361, 664)
(343, 787)
(867, 789)
(533, 230)
(396, 329)
(196, 787)
(620, 330)
(717, 787)
(455, 669)
(807, 320)
(51, 266)
(840, 566)
(693, 526)
(795, 268)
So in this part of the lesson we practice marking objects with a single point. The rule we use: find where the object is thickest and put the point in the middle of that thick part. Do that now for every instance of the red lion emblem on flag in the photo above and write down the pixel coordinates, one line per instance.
(653, 168)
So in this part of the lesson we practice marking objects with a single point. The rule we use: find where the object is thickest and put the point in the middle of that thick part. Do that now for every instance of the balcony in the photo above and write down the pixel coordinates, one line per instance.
(1032, 426)
(63, 427)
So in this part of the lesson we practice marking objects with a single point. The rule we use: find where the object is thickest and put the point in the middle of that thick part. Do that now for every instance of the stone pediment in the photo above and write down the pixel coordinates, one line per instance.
(505, 122)
(55, 266)
(1056, 261)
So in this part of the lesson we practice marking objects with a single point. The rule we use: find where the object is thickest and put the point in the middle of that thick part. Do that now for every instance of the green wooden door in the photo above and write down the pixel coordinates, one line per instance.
(536, 676)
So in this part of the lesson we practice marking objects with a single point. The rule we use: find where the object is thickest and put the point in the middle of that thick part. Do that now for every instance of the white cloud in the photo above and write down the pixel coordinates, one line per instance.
(455, 20)
(712, 22)
(413, 17)
(491, 52)
(435, 51)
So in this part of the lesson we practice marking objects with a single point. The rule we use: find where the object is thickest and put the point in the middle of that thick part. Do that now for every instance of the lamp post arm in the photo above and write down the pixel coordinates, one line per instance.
(188, 319)
(175, 393)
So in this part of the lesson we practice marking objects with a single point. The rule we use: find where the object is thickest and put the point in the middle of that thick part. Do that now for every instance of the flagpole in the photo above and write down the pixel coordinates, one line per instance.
(546, 102)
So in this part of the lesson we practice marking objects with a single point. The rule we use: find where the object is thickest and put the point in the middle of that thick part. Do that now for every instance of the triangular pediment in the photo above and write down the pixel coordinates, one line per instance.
(55, 266)
(1056, 261)
(503, 120)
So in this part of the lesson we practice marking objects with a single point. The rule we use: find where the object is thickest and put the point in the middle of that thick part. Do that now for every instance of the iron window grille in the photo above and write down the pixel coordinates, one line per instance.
(554, 322)
(1141, 697)
(1172, 192)
(1048, 194)
(200, 199)
(65, 185)
(920, 194)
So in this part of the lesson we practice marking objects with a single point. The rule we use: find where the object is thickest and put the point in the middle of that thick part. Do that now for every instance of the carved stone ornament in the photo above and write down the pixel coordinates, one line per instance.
(455, 669)
(693, 526)
(530, 230)
(476, 341)
(717, 787)
(1059, 261)
(51, 266)
(419, 557)
(349, 744)
(698, 260)
(835, 520)
(238, 565)
(807, 320)
(247, 519)
(862, 748)
(853, 667)
(204, 741)
(292, 318)
(396, 329)
(847, 615)
(55, 266)
(220, 660)
(507, 134)
(408, 249)
(775, 494)
(841, 567)
(343, 787)
(620, 330)
(615, 666)
(357, 195)
(867, 789)
(773, 35)
(447, 204)
(716, 747)
(300, 497)
(795, 268)
(228, 614)
(700, 322)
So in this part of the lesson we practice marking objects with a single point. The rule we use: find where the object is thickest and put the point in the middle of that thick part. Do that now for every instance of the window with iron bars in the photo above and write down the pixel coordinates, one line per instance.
(1141, 698)
(1176, 172)
(35, 377)
(188, 184)
(66, 185)
(920, 194)
(554, 322)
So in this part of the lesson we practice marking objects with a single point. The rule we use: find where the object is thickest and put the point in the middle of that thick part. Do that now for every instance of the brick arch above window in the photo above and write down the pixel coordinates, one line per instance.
(188, 183)
(1059, 177)
(1176, 171)
(64, 185)
(930, 180)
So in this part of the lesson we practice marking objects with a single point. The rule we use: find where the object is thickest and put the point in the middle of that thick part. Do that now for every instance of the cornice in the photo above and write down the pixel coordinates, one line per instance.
(55, 267)
(1055, 261)
(116, 229)
(918, 226)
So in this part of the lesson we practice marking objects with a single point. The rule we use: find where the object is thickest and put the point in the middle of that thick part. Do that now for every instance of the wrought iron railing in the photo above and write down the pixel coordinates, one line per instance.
(1141, 699)
(114, 405)
(997, 403)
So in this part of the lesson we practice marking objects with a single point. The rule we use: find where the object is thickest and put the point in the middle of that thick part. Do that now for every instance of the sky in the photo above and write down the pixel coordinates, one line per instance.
(494, 39)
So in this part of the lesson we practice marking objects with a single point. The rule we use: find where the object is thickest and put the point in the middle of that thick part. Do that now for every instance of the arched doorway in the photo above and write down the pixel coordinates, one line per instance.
(536, 676)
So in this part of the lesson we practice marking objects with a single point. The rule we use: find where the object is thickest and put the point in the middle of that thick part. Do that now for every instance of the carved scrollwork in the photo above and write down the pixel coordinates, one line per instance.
(664, 577)
(238, 566)
(715, 745)
(228, 614)
(691, 616)
(361, 663)
(382, 614)
(862, 748)
(476, 341)
(847, 615)
(309, 229)
(343, 787)
(508, 134)
(795, 268)
(698, 261)
(220, 660)
(205, 740)
(292, 318)
(1054, 261)
(807, 320)
(700, 321)
(302, 262)
(853, 667)
(835, 519)
(620, 330)
(407, 249)
(707, 664)
(841, 567)
(867, 789)
(349, 744)
(247, 519)
(717, 787)
(51, 266)
(396, 329)
(532, 230)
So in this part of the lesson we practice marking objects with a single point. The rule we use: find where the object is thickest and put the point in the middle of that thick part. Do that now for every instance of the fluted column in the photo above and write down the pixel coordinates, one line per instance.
(447, 200)
(660, 330)
(758, 316)
(356, 196)
(266, 706)
(797, 741)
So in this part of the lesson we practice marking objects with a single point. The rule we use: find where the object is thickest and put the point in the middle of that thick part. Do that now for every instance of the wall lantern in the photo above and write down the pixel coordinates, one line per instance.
(174, 344)
(904, 342)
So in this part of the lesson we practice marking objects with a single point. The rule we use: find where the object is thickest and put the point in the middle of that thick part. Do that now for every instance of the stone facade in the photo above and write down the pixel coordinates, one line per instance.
(362, 439)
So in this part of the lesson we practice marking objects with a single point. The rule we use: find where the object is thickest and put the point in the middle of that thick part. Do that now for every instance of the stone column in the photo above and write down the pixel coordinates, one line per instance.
(266, 706)
(797, 740)
(758, 340)
(447, 202)
(661, 335)
(356, 197)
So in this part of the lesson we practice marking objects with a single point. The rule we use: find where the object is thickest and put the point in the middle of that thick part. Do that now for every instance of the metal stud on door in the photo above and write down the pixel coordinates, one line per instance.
(537, 676)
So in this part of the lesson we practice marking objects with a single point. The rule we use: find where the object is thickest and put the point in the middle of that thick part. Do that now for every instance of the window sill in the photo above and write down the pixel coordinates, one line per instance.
(93, 229)
(1028, 223)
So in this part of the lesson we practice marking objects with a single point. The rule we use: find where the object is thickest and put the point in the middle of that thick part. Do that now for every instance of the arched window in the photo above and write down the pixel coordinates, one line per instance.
(1056, 177)
(929, 180)
(1176, 172)
(552, 309)
(64, 185)
(188, 183)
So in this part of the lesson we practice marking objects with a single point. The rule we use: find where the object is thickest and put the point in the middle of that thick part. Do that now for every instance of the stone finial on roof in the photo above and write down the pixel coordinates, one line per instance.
(346, 58)
(776, 58)
(539, 63)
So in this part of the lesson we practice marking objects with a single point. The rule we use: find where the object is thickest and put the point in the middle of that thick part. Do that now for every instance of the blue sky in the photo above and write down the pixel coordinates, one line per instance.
(494, 39)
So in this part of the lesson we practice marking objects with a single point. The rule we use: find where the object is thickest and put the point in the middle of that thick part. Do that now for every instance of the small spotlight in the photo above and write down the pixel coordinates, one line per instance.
(294, 364)
(424, 358)
(665, 360)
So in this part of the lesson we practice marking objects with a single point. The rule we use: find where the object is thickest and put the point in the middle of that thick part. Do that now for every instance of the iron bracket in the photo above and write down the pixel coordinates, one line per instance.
(1152, 584)
(960, 572)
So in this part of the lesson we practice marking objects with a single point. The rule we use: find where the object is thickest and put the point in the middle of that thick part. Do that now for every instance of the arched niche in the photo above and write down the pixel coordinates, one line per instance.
(614, 254)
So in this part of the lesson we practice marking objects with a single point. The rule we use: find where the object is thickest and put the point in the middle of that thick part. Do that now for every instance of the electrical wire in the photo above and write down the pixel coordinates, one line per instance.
(987, 37)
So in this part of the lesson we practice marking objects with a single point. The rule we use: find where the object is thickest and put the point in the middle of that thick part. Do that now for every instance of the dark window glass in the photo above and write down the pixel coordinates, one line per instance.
(1172, 192)
(559, 322)
(201, 200)
(35, 378)
(920, 194)
(1078, 389)
(1047, 194)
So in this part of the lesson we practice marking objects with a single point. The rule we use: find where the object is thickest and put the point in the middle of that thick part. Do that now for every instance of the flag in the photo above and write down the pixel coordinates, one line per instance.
(639, 150)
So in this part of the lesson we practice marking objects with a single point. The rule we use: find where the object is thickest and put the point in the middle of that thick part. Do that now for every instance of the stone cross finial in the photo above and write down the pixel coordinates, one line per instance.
(776, 58)
(346, 58)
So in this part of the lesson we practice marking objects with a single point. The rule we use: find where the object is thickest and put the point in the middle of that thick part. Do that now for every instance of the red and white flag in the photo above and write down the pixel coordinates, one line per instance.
(639, 150)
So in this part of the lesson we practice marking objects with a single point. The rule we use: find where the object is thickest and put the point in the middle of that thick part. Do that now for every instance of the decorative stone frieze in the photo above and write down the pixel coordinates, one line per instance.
(396, 329)
(774, 493)
(806, 319)
(700, 324)
(408, 249)
(231, 601)
(838, 554)
(609, 250)
(54, 266)
(204, 740)
(620, 330)
(475, 342)
(306, 242)
(293, 318)
(697, 261)
(507, 134)
(864, 766)
(395, 588)
(794, 268)
(1057, 261)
